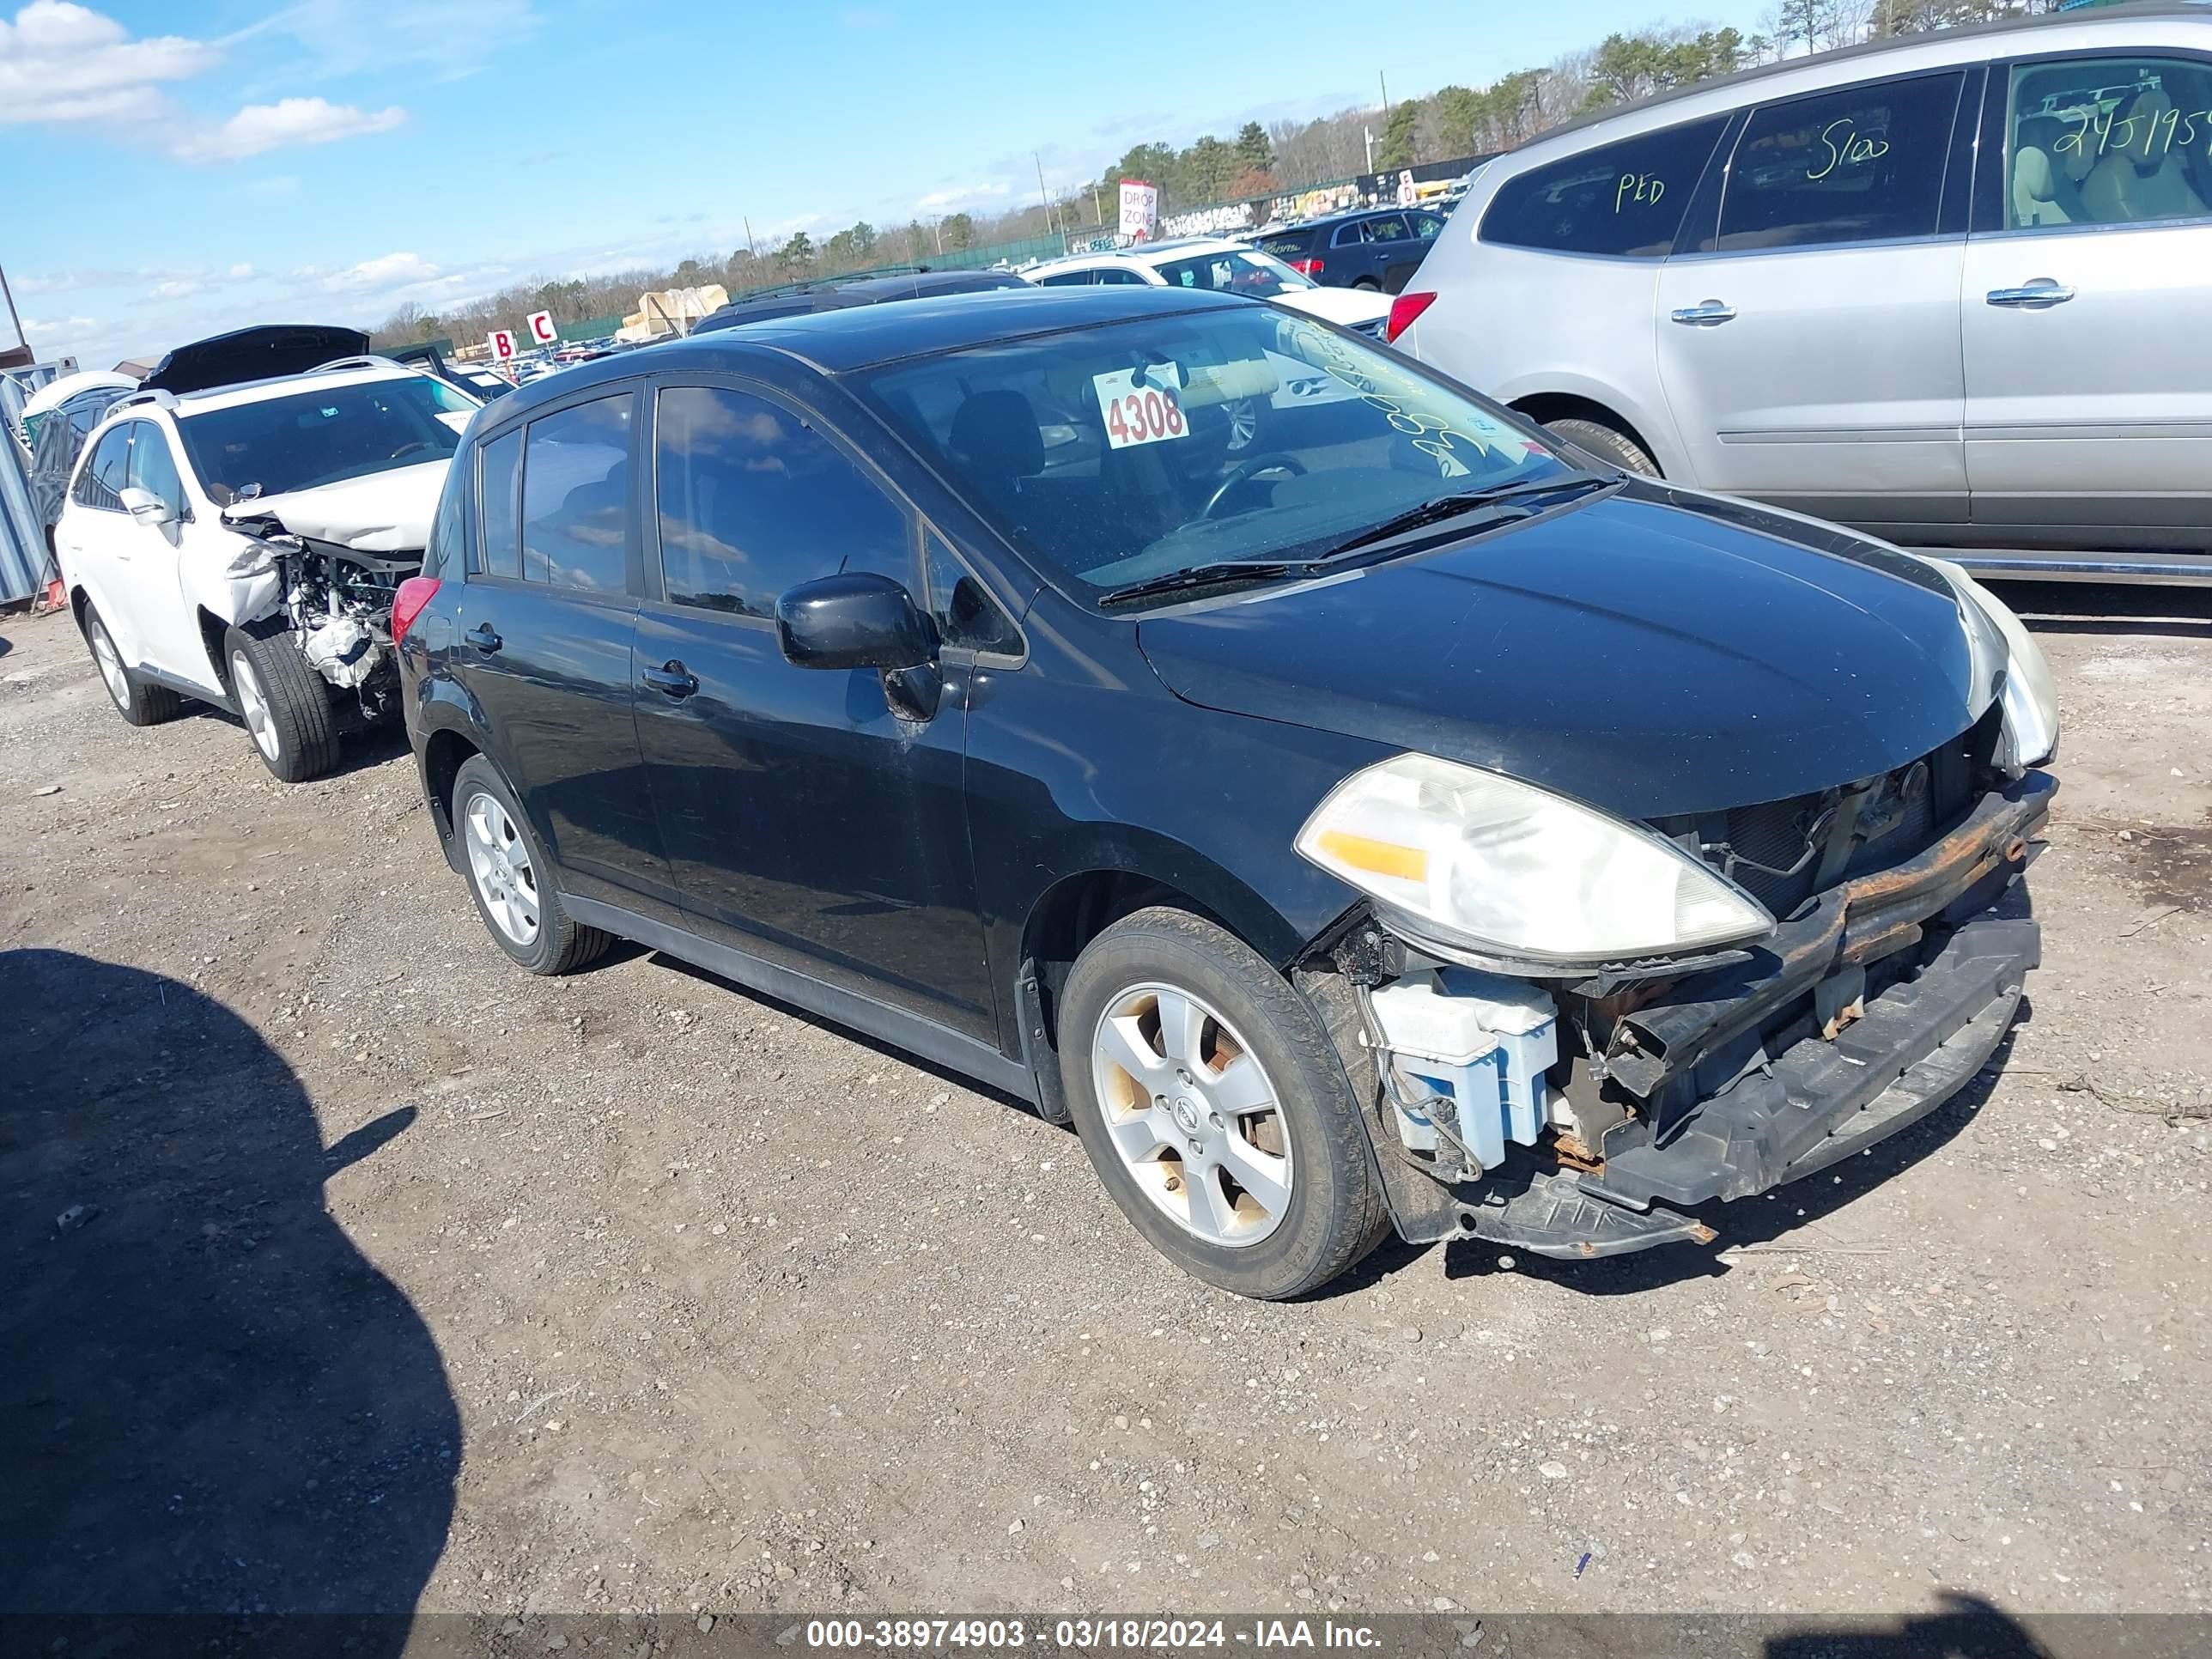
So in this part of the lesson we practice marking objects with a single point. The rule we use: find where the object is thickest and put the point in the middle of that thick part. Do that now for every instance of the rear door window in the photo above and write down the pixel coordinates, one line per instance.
(1625, 199)
(1115, 277)
(1862, 165)
(575, 496)
(1066, 279)
(752, 501)
(1390, 227)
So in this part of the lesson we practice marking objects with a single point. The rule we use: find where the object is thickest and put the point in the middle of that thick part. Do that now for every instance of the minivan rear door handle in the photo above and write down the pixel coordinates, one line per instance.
(2038, 294)
(484, 637)
(673, 679)
(1706, 313)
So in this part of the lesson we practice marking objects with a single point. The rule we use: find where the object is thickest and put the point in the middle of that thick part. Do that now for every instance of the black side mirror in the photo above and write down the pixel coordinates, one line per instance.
(856, 620)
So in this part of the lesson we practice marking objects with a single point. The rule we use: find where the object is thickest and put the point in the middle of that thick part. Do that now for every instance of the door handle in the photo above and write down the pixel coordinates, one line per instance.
(2038, 294)
(484, 637)
(1706, 313)
(673, 679)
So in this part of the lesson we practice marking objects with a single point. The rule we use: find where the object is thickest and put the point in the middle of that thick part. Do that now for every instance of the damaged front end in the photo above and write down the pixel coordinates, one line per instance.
(329, 562)
(1578, 1114)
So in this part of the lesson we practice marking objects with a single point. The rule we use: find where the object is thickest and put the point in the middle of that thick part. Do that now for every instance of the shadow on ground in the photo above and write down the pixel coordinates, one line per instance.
(213, 1403)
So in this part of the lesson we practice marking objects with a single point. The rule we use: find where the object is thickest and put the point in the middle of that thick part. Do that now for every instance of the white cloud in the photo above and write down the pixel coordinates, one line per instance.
(60, 62)
(53, 330)
(178, 288)
(287, 122)
(338, 38)
(386, 270)
(939, 200)
(240, 273)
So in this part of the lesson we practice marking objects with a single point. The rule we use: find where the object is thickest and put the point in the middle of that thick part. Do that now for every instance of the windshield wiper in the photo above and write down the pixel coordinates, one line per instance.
(1522, 497)
(1208, 575)
(1513, 501)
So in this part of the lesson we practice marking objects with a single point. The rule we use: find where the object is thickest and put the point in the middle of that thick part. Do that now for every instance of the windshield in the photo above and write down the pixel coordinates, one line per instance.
(1117, 453)
(323, 437)
(1234, 270)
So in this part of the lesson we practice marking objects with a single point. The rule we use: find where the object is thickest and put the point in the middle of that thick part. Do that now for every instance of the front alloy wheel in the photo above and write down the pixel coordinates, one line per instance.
(1192, 1115)
(1214, 1107)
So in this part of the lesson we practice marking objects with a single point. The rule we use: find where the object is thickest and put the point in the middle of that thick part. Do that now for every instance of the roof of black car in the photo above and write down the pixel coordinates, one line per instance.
(860, 337)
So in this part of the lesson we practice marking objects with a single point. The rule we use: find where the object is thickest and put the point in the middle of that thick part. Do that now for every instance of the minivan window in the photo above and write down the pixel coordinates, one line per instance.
(753, 500)
(2103, 141)
(1862, 165)
(154, 470)
(498, 551)
(1624, 199)
(575, 496)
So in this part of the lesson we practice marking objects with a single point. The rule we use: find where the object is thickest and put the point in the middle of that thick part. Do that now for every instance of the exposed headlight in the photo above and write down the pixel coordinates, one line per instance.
(1516, 876)
(2030, 735)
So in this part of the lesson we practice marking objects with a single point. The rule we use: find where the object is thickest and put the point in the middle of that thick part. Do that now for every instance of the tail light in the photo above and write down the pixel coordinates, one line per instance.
(1305, 267)
(407, 605)
(1403, 310)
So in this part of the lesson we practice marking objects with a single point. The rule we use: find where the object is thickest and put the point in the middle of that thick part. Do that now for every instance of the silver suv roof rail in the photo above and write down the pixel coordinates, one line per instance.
(156, 399)
(369, 361)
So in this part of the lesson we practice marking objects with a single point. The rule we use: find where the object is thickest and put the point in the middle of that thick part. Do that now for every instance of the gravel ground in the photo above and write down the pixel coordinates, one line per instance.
(334, 1239)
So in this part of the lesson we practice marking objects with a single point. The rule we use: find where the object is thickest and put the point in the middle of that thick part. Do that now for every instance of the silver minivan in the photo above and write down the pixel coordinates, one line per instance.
(1953, 289)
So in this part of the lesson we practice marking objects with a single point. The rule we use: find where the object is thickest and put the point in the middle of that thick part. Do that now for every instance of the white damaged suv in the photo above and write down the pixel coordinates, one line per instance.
(240, 540)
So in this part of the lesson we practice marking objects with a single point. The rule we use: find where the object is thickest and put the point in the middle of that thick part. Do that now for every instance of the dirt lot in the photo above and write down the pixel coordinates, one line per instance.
(347, 1264)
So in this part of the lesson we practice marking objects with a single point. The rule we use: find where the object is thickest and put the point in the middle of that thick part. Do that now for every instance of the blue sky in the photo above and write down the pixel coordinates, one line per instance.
(174, 169)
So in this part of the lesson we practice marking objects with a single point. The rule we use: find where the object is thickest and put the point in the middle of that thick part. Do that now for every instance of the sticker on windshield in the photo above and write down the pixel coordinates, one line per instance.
(1142, 406)
(456, 418)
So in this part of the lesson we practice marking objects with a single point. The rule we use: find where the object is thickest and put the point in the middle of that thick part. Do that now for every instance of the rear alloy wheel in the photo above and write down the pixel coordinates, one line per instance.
(285, 705)
(1214, 1108)
(1369, 285)
(512, 880)
(137, 701)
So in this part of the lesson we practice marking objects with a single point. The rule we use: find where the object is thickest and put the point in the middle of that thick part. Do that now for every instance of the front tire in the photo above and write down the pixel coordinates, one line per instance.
(1607, 443)
(1214, 1108)
(286, 707)
(138, 702)
(512, 880)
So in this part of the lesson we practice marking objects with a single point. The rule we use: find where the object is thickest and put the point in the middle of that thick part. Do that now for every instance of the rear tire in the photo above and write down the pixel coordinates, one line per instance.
(286, 707)
(1368, 285)
(1607, 443)
(515, 887)
(1238, 1153)
(137, 702)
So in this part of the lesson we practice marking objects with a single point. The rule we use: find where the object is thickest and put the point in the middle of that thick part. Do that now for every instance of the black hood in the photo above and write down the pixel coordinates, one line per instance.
(1651, 652)
(253, 353)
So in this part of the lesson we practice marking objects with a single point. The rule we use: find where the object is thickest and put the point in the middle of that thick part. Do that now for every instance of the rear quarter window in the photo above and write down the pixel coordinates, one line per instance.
(1623, 199)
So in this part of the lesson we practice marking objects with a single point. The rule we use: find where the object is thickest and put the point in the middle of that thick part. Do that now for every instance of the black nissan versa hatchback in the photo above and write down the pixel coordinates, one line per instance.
(1409, 826)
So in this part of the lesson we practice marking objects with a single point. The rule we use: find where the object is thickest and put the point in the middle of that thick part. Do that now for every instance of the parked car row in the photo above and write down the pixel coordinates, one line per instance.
(1948, 289)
